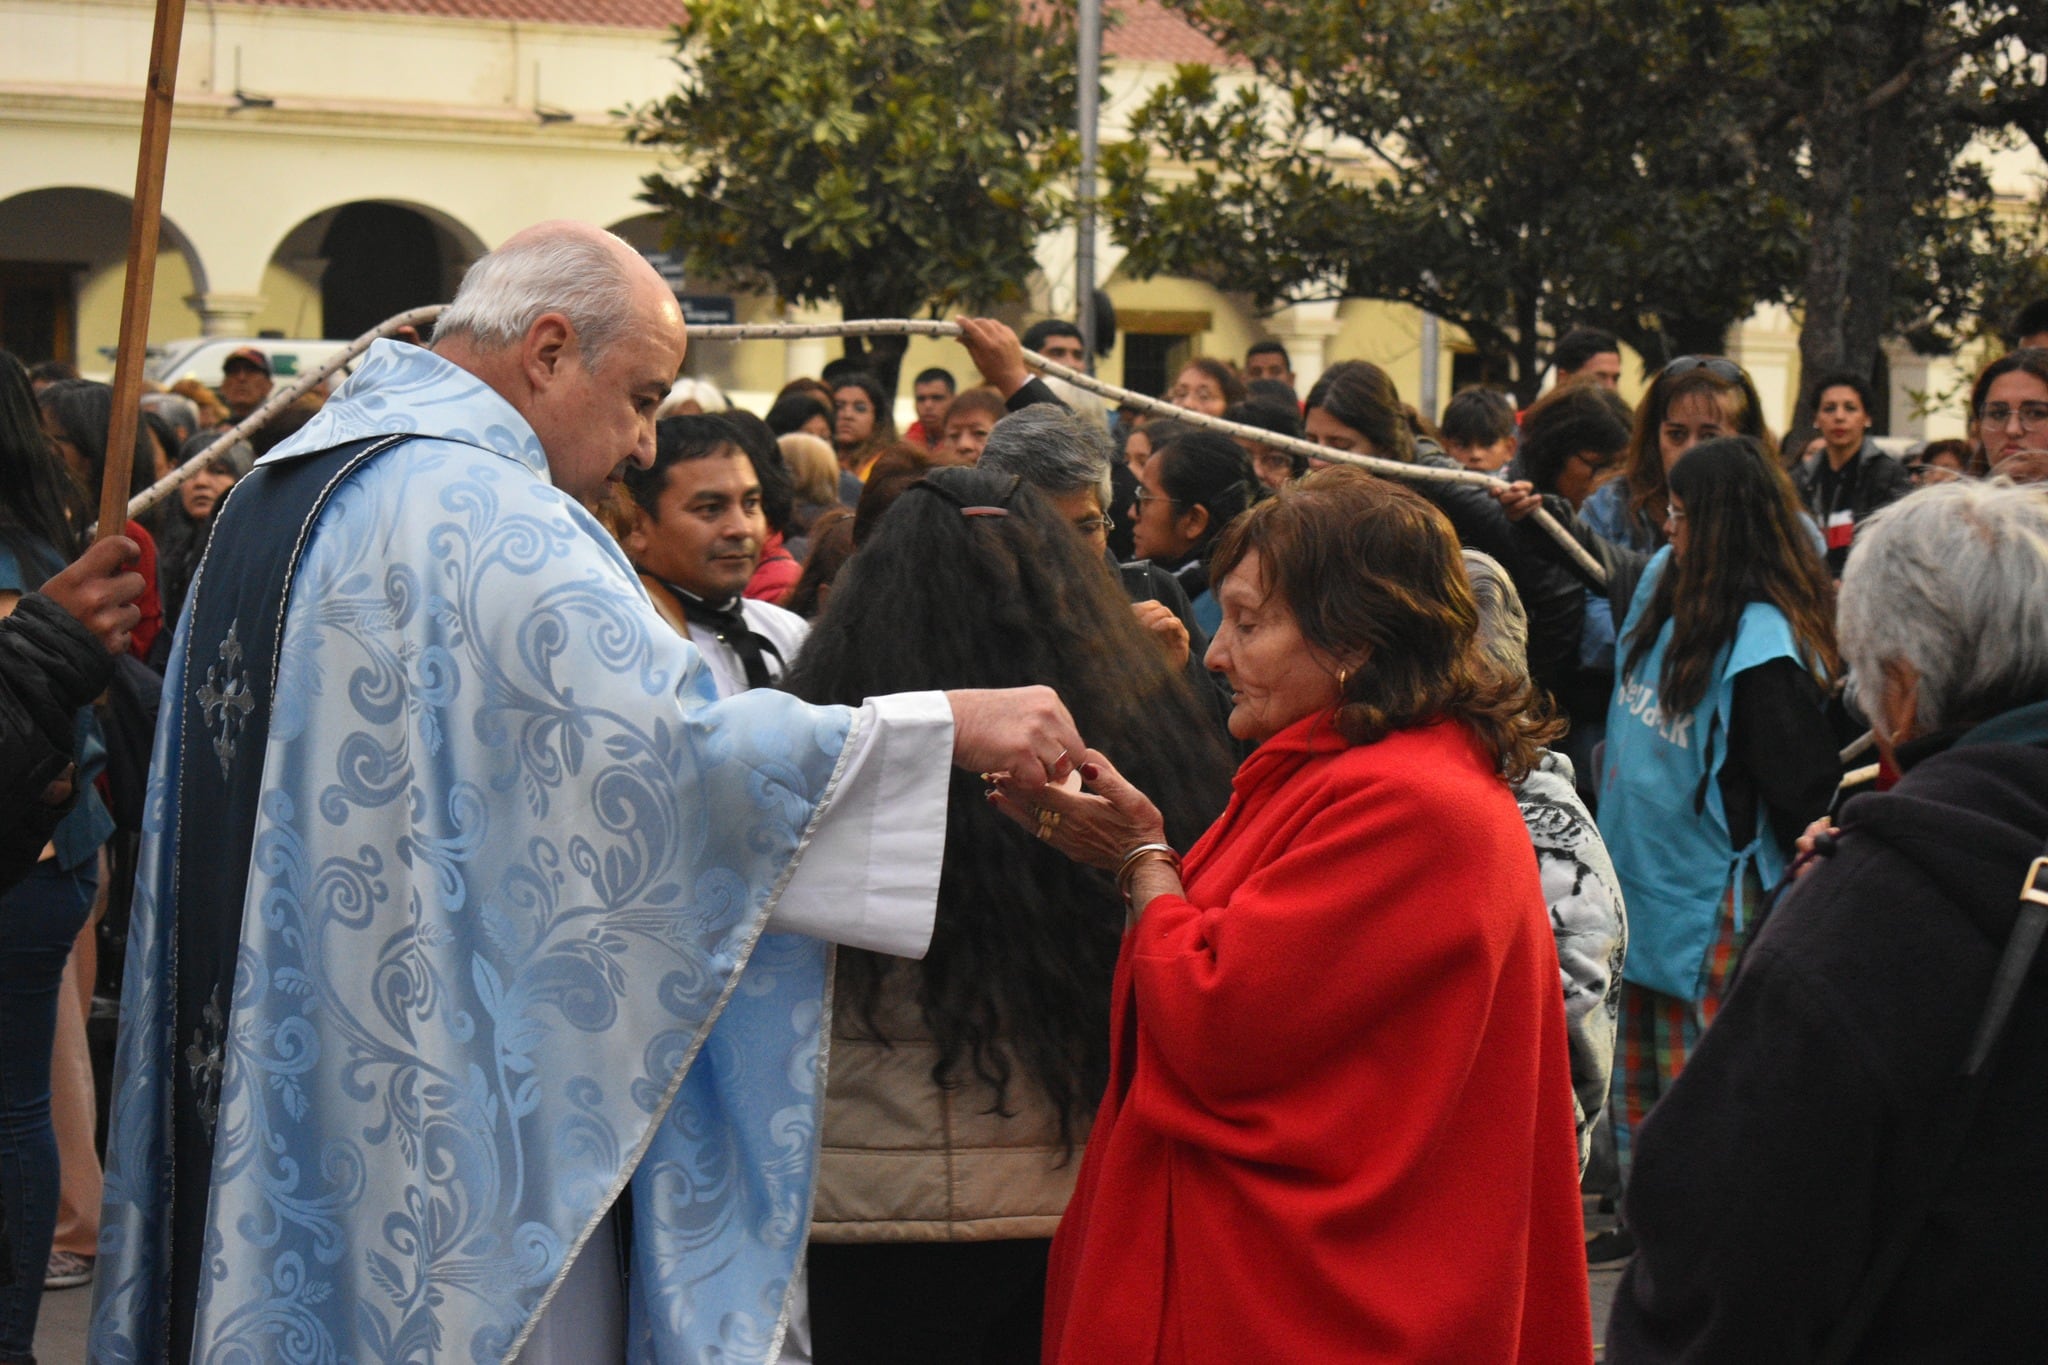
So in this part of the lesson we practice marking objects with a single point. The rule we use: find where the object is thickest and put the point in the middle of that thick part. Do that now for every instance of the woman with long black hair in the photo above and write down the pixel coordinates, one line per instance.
(863, 423)
(40, 515)
(961, 1087)
(1718, 749)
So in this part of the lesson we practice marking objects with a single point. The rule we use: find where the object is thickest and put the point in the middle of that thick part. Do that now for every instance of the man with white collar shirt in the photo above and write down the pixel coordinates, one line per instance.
(696, 539)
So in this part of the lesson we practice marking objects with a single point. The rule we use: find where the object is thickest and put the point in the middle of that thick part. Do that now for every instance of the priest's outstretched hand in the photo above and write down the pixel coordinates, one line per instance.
(1022, 731)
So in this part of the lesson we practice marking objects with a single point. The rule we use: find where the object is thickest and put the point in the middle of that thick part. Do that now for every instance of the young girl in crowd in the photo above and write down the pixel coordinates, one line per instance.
(1718, 751)
(1693, 399)
(862, 422)
(1193, 486)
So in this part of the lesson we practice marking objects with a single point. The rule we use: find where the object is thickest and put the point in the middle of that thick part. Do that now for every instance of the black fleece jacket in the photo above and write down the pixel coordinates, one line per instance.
(50, 665)
(1549, 592)
(1804, 1124)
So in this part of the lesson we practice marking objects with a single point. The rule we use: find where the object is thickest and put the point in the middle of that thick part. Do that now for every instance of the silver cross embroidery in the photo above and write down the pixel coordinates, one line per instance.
(204, 1059)
(224, 700)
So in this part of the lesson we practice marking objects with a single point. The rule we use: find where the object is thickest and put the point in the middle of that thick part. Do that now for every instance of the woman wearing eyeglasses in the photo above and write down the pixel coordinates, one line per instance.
(1206, 385)
(1193, 486)
(1850, 478)
(1692, 399)
(2010, 406)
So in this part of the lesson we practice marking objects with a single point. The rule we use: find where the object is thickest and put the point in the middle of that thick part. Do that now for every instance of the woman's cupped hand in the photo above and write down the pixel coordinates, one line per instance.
(1094, 816)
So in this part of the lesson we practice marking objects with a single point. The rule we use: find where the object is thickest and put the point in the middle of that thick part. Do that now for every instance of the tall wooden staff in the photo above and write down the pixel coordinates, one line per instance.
(142, 234)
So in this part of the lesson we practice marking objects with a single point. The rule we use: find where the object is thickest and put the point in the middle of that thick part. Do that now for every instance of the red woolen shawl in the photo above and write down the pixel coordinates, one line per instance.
(1339, 1118)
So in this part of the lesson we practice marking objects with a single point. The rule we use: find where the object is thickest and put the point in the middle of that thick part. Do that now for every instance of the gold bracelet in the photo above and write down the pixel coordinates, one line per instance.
(1141, 854)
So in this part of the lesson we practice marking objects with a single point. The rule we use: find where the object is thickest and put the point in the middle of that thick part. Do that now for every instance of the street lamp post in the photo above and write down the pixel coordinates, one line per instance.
(1084, 226)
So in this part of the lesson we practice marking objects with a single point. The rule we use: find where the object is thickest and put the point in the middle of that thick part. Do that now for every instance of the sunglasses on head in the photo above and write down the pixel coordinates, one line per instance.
(1712, 364)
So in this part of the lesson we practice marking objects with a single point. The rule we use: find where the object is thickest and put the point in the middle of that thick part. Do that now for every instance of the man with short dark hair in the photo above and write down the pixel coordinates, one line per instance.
(999, 355)
(932, 392)
(2030, 328)
(1268, 359)
(695, 538)
(1587, 353)
(1057, 339)
(244, 382)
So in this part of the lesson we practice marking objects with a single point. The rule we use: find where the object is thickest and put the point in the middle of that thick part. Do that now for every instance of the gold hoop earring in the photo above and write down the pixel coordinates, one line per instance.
(1343, 677)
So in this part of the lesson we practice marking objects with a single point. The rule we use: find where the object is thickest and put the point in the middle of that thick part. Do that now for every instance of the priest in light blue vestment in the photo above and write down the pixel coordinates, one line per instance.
(467, 918)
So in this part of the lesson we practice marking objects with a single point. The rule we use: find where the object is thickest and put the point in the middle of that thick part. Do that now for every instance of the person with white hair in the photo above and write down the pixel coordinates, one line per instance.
(1586, 915)
(688, 397)
(1851, 1166)
(453, 868)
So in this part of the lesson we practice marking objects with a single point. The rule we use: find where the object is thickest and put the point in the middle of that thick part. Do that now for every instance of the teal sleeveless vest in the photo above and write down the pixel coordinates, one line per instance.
(1661, 813)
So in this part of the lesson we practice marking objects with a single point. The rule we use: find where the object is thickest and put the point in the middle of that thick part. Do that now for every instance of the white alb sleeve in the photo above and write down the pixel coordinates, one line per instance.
(870, 877)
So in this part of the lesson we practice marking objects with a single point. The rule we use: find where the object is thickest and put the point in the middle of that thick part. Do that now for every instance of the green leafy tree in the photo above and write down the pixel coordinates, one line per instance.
(1659, 169)
(1506, 167)
(1903, 236)
(894, 157)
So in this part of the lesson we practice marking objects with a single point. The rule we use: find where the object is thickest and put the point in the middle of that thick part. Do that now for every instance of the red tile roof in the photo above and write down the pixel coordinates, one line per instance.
(1141, 30)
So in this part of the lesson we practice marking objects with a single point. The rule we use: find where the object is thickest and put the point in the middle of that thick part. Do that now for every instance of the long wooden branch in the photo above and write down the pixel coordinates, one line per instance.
(145, 222)
(790, 331)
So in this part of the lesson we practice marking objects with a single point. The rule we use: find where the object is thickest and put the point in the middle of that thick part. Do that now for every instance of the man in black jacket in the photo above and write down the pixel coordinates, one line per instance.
(1823, 1182)
(56, 655)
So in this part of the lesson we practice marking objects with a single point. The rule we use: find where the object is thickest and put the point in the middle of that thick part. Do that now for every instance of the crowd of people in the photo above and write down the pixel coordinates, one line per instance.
(1264, 891)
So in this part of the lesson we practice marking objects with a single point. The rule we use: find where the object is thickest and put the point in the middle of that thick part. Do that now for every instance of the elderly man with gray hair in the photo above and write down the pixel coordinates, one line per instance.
(454, 866)
(1068, 461)
(1854, 1164)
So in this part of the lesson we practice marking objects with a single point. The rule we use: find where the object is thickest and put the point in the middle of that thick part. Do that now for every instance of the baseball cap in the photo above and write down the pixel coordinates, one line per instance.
(247, 355)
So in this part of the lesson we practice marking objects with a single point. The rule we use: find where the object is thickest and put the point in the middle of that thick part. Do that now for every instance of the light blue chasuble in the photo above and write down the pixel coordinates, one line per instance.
(509, 866)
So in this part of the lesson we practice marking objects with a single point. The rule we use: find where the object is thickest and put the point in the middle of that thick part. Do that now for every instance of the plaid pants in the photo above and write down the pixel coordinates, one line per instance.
(1658, 1032)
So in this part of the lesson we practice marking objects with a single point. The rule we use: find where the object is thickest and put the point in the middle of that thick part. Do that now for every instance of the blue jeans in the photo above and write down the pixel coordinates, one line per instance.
(39, 919)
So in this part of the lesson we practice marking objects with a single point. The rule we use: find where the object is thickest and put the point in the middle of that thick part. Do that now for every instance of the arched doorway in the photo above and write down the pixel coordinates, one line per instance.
(346, 269)
(63, 263)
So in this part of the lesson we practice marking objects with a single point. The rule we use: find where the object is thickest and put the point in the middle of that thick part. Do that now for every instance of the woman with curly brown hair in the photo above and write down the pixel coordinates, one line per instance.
(1339, 1117)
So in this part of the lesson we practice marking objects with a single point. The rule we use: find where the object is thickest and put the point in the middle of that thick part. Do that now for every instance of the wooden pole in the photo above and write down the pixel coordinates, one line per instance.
(143, 226)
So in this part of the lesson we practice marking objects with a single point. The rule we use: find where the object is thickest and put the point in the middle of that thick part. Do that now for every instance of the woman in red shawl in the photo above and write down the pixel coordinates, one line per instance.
(1338, 1125)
